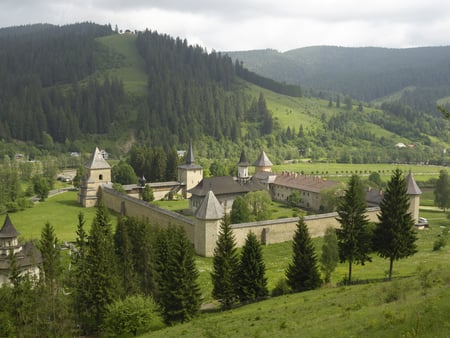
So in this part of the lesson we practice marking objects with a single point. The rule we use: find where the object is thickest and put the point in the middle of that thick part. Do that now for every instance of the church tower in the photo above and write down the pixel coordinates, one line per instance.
(189, 174)
(263, 163)
(96, 173)
(413, 193)
(243, 169)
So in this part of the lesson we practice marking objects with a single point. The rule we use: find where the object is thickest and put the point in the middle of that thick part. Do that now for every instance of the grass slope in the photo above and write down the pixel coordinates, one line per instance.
(131, 67)
(414, 304)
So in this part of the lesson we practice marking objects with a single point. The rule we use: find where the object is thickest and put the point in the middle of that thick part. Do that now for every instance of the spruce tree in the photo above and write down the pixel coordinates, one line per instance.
(442, 191)
(179, 292)
(51, 264)
(102, 285)
(225, 266)
(252, 271)
(354, 238)
(303, 274)
(394, 236)
(124, 252)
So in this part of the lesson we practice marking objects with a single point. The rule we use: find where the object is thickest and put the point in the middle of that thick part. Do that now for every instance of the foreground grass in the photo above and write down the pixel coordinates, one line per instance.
(409, 307)
(414, 304)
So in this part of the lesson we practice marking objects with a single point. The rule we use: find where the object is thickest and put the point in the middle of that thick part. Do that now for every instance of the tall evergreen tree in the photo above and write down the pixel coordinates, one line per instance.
(225, 266)
(124, 252)
(102, 285)
(51, 264)
(394, 236)
(179, 292)
(442, 191)
(302, 273)
(330, 254)
(354, 239)
(252, 270)
(80, 275)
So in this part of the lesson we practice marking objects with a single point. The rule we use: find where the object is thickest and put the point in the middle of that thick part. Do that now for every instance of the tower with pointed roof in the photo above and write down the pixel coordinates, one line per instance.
(263, 163)
(96, 173)
(209, 215)
(28, 257)
(413, 192)
(243, 164)
(189, 174)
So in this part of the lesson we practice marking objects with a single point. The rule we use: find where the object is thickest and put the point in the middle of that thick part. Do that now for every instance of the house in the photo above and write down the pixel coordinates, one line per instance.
(27, 256)
(309, 187)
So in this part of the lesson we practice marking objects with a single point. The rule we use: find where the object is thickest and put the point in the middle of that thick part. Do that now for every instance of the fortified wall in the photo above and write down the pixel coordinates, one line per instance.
(203, 233)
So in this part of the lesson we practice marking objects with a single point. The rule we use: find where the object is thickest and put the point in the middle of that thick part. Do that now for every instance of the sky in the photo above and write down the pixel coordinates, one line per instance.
(232, 25)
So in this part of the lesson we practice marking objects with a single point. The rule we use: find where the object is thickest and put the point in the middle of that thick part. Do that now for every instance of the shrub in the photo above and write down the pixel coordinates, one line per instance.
(282, 288)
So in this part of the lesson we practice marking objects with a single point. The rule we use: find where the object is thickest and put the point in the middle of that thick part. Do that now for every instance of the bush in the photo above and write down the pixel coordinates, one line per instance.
(133, 315)
(282, 288)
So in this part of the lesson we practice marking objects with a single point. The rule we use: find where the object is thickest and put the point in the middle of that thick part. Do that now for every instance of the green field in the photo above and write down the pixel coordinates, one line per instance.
(60, 210)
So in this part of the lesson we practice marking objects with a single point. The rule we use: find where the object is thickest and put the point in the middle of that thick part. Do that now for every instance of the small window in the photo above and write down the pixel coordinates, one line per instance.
(100, 177)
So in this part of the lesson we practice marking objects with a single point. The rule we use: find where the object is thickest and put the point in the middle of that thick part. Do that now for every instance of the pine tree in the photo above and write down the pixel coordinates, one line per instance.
(225, 266)
(252, 270)
(51, 264)
(102, 285)
(124, 252)
(80, 275)
(442, 191)
(330, 254)
(303, 274)
(179, 292)
(394, 236)
(354, 239)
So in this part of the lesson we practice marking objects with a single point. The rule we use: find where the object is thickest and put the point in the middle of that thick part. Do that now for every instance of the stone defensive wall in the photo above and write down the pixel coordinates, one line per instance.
(282, 230)
(268, 232)
(134, 207)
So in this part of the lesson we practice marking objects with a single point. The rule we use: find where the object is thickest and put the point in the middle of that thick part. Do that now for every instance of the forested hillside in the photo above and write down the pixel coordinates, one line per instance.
(365, 74)
(74, 87)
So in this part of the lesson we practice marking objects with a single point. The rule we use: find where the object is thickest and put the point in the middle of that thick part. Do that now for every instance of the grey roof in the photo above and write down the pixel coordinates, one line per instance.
(263, 160)
(28, 256)
(8, 230)
(413, 189)
(190, 156)
(243, 162)
(210, 208)
(97, 161)
(223, 185)
(374, 196)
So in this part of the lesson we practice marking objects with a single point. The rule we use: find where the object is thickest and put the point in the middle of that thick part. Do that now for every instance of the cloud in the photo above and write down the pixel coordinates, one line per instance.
(252, 24)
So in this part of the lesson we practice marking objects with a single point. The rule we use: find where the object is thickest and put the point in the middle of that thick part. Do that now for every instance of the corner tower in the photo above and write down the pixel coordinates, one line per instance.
(413, 192)
(96, 173)
(189, 174)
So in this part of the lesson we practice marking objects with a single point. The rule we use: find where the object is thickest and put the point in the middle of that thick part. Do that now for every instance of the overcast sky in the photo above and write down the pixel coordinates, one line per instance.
(228, 25)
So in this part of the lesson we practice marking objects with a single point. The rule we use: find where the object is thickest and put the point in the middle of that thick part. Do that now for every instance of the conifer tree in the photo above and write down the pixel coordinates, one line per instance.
(179, 292)
(124, 252)
(51, 264)
(394, 236)
(102, 285)
(80, 275)
(225, 266)
(252, 270)
(354, 239)
(303, 274)
(442, 191)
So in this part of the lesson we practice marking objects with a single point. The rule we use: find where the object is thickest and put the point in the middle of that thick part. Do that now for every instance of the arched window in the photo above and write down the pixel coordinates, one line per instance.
(100, 177)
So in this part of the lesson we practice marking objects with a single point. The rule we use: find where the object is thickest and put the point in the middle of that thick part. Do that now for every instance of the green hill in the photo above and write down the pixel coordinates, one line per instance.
(87, 86)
